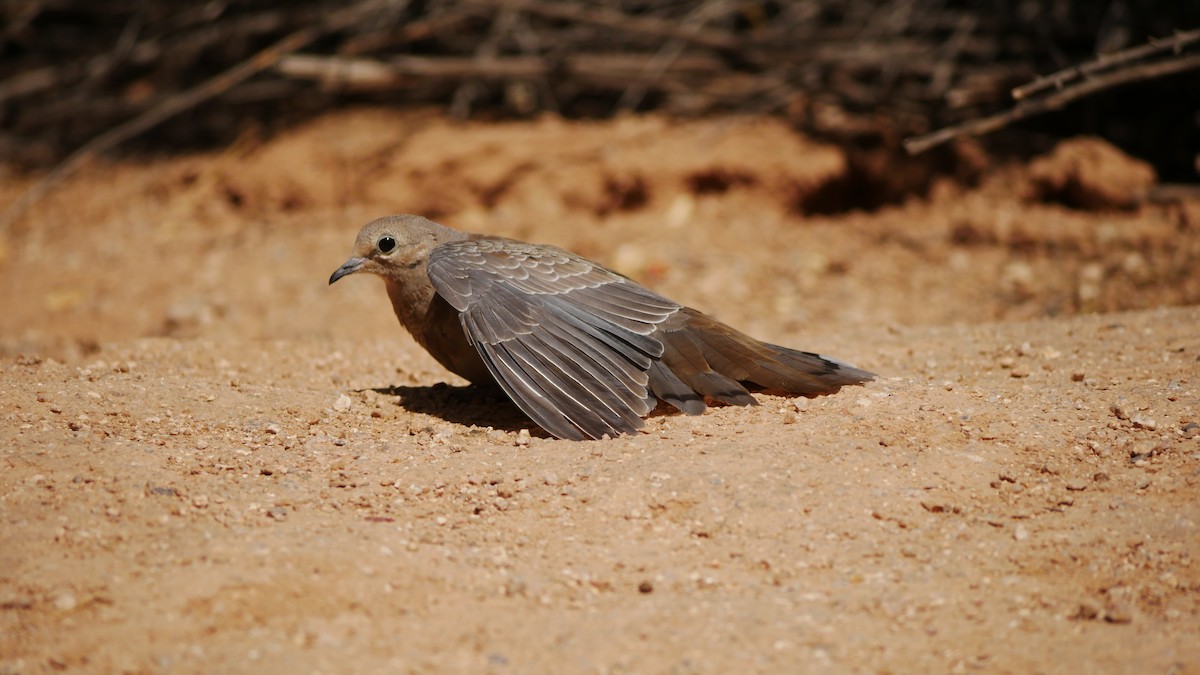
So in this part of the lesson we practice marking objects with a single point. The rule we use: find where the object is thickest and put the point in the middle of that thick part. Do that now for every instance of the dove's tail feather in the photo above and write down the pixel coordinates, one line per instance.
(705, 359)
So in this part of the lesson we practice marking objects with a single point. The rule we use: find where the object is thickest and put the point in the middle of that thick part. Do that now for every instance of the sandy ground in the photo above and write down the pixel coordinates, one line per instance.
(212, 462)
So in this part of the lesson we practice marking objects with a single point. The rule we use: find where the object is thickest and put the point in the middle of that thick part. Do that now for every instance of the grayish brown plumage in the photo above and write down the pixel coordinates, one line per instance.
(579, 348)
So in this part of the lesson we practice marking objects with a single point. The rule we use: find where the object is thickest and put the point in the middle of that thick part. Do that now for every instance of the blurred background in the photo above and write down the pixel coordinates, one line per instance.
(862, 73)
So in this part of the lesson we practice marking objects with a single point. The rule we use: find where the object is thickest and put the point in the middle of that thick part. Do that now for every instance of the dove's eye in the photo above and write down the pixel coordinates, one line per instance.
(386, 244)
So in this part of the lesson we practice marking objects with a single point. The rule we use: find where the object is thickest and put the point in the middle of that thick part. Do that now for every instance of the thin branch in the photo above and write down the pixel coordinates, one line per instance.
(615, 19)
(368, 74)
(467, 92)
(657, 65)
(1104, 62)
(412, 31)
(1053, 101)
(34, 81)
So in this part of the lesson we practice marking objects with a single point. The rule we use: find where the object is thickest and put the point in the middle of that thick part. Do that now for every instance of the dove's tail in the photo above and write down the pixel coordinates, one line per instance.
(704, 358)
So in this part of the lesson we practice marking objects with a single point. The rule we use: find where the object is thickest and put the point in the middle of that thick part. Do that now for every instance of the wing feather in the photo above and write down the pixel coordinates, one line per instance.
(569, 341)
(615, 384)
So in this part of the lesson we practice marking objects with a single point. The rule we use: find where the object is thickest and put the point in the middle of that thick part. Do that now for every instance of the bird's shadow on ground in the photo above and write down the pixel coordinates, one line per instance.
(470, 405)
(475, 405)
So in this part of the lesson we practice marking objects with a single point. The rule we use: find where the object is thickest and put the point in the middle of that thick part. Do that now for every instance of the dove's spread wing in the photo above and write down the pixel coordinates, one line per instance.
(569, 341)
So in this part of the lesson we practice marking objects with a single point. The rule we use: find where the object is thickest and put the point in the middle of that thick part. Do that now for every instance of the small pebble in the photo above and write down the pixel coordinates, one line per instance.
(343, 403)
(645, 587)
(65, 601)
(1076, 485)
(1087, 611)
(1020, 533)
(1116, 612)
(1142, 422)
(515, 587)
(1077, 376)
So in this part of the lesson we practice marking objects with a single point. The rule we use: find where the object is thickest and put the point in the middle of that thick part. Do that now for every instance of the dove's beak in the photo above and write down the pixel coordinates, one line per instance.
(350, 267)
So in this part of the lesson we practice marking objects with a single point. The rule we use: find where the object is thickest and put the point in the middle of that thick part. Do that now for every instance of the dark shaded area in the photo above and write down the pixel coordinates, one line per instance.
(718, 180)
(861, 73)
(882, 174)
(469, 405)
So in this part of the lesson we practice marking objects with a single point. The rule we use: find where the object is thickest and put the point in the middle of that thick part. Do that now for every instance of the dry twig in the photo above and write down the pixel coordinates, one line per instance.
(1055, 100)
(615, 19)
(1104, 62)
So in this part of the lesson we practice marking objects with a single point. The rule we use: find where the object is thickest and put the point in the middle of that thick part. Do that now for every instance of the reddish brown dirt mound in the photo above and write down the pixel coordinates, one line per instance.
(1089, 173)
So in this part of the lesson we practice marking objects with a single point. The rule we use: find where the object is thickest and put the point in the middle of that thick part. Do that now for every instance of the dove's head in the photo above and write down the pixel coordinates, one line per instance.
(391, 245)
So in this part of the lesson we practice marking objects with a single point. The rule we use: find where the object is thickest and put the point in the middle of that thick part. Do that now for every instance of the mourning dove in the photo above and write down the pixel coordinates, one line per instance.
(583, 351)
